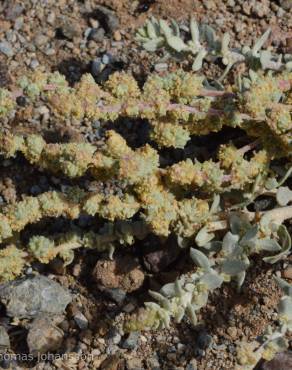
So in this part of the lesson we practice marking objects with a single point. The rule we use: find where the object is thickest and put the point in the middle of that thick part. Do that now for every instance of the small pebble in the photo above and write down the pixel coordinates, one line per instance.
(132, 341)
(97, 34)
(6, 49)
(34, 64)
(117, 36)
(107, 59)
(81, 320)
(116, 294)
(96, 67)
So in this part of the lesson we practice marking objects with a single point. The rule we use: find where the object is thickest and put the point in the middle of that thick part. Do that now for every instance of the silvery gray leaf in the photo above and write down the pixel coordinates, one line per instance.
(214, 246)
(159, 297)
(271, 183)
(195, 32)
(230, 242)
(178, 288)
(225, 43)
(270, 245)
(250, 234)
(253, 76)
(151, 31)
(285, 307)
(153, 45)
(142, 32)
(152, 305)
(240, 279)
(266, 221)
(233, 267)
(265, 58)
(284, 195)
(176, 43)
(286, 287)
(203, 237)
(175, 28)
(276, 258)
(179, 314)
(198, 62)
(260, 42)
(141, 39)
(209, 35)
(200, 259)
(168, 290)
(285, 237)
(191, 314)
(288, 66)
(235, 223)
(166, 30)
(212, 279)
(155, 23)
(285, 240)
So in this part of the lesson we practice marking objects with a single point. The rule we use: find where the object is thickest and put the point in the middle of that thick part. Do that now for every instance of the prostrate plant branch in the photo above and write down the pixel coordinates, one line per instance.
(177, 105)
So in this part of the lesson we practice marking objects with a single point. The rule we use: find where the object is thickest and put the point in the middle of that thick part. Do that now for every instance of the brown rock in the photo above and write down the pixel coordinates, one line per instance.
(44, 336)
(123, 273)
